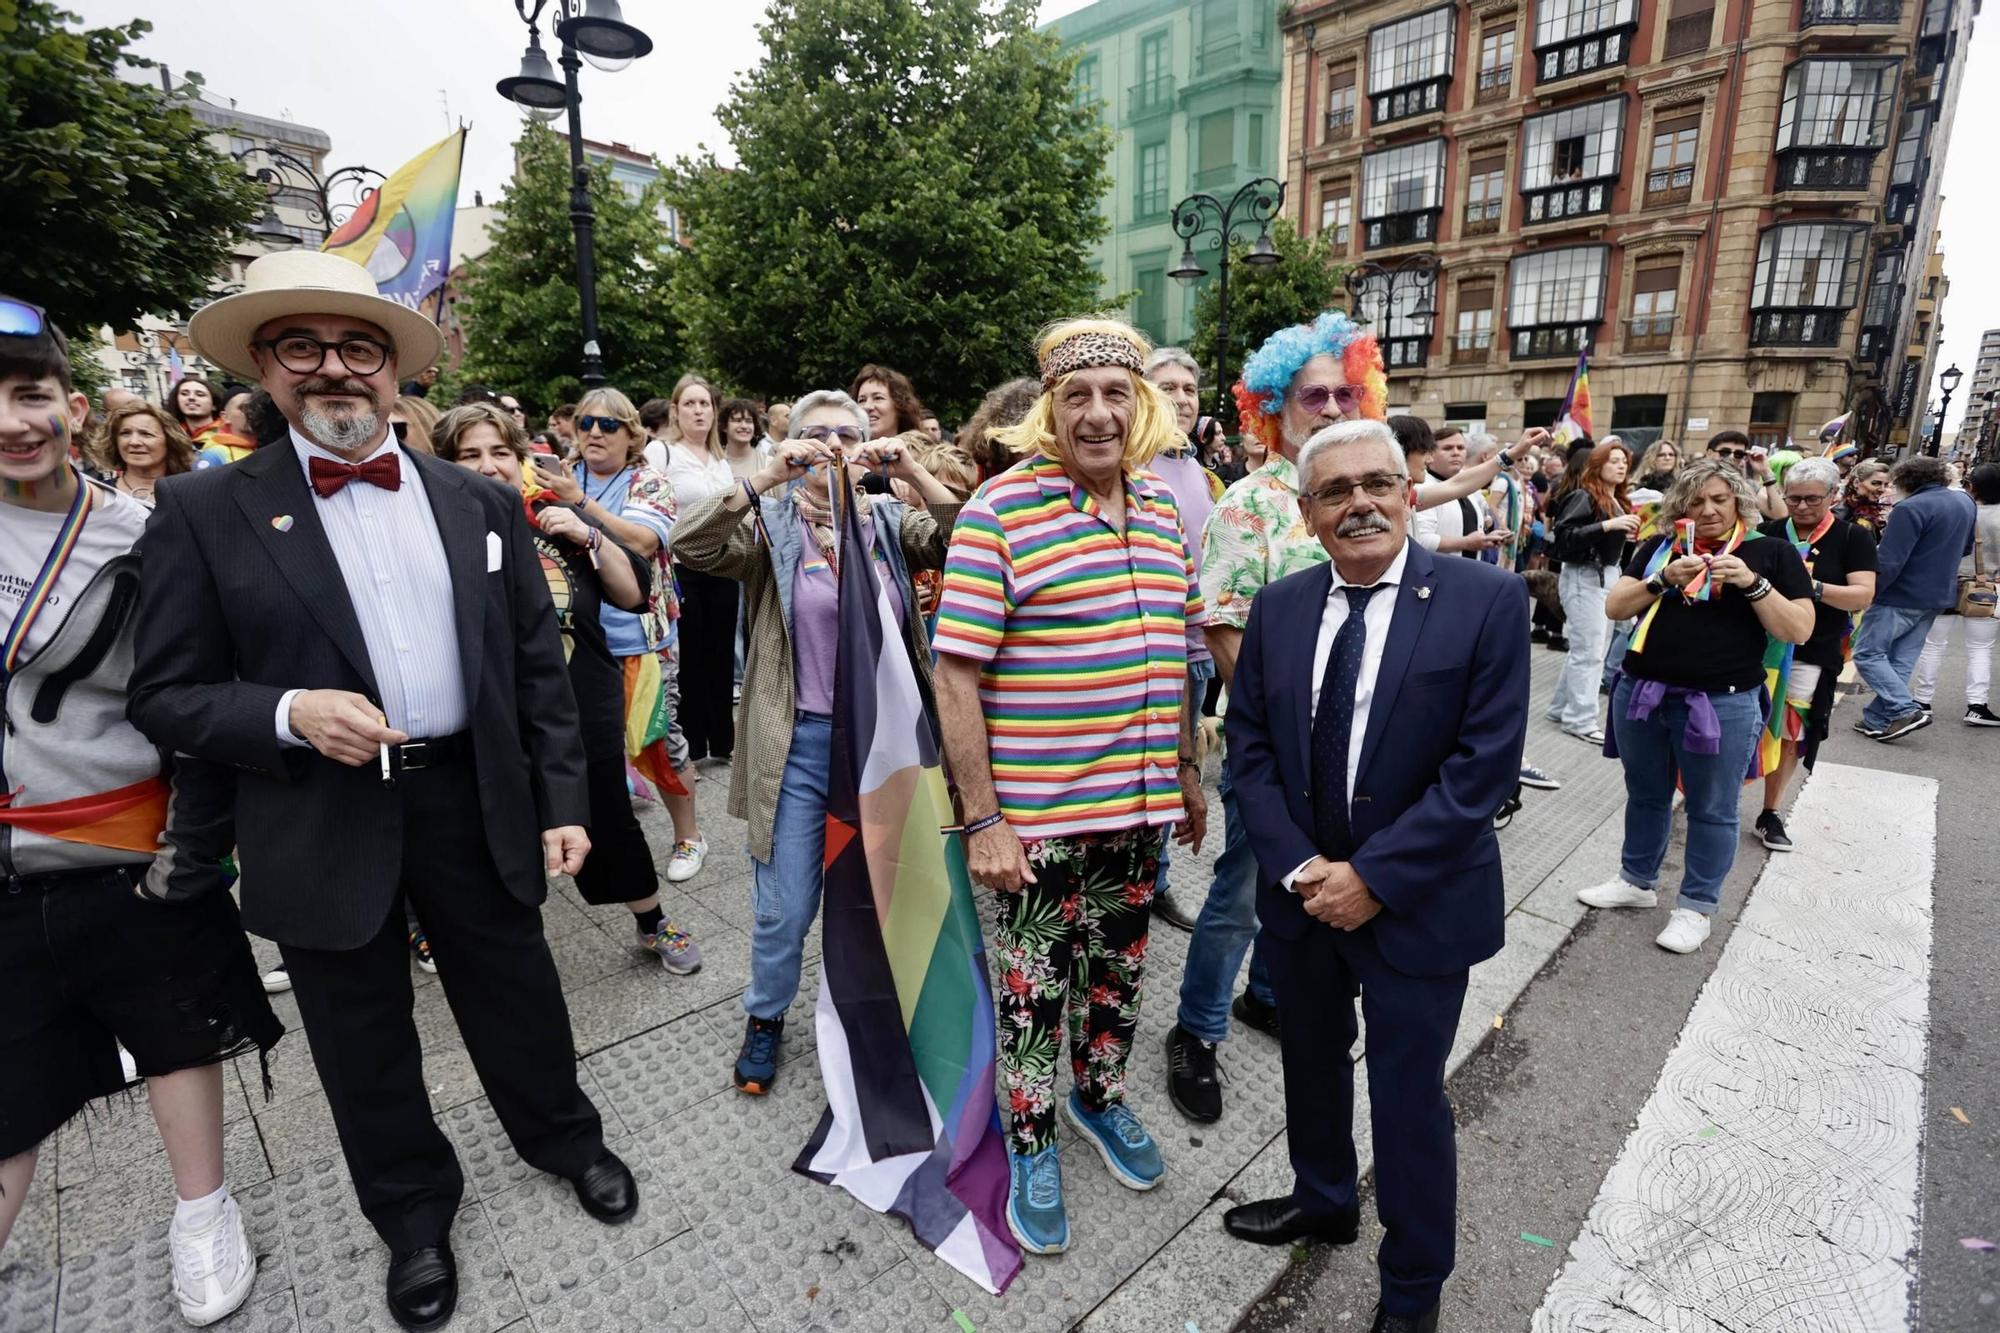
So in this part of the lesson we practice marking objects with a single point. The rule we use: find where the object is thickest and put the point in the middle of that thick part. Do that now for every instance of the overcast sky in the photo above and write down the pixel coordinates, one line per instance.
(385, 78)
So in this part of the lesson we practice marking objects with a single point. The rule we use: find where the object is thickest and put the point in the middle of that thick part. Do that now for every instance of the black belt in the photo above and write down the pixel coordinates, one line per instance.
(433, 752)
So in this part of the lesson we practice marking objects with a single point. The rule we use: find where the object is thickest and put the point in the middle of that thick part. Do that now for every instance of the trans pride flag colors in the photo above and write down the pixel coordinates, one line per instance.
(905, 1014)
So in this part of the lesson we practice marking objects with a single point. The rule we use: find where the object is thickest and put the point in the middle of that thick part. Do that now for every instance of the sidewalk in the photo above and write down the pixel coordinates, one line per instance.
(727, 1236)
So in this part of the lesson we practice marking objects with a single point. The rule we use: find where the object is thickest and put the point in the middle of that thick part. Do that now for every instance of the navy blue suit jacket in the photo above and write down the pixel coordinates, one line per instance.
(1442, 750)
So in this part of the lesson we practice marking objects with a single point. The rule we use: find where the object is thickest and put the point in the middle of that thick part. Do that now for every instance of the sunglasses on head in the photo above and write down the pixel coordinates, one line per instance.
(608, 425)
(1346, 397)
(18, 319)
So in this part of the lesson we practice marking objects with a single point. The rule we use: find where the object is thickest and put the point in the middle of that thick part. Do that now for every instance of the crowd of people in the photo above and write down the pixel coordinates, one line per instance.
(398, 665)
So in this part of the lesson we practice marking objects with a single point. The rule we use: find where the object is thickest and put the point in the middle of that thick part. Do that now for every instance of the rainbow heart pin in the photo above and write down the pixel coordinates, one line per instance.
(282, 522)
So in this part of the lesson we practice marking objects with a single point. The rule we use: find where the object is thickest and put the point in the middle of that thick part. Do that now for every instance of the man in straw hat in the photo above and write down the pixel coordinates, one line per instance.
(364, 636)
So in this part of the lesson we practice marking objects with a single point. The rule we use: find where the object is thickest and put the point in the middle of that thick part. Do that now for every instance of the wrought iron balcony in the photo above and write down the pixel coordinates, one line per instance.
(1149, 204)
(1583, 55)
(1154, 97)
(1825, 168)
(1472, 349)
(1535, 342)
(1400, 229)
(1215, 177)
(1482, 218)
(1649, 333)
(1418, 99)
(1340, 124)
(1495, 84)
(1814, 13)
(1405, 353)
(1670, 185)
(1807, 327)
(1568, 200)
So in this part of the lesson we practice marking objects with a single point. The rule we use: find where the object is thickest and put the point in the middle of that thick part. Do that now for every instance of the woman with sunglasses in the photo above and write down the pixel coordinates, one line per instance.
(616, 489)
(774, 533)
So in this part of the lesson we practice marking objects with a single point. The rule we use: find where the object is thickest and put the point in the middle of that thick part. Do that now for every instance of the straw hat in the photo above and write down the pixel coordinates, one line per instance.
(307, 282)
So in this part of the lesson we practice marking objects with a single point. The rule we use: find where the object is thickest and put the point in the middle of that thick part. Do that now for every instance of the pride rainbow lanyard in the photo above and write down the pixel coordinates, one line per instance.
(44, 586)
(1700, 588)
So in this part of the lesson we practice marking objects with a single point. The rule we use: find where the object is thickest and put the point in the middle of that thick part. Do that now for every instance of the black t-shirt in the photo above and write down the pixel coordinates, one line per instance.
(595, 676)
(1845, 549)
(1717, 645)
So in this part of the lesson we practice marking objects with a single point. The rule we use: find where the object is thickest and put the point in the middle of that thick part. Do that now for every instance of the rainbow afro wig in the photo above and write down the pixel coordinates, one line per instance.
(1268, 374)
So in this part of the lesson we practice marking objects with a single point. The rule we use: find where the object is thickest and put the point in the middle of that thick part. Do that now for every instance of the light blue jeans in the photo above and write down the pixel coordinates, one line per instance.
(786, 897)
(1885, 653)
(1653, 752)
(1198, 676)
(1226, 927)
(1582, 588)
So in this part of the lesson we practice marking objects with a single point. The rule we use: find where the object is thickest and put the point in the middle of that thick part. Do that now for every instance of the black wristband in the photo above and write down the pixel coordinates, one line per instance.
(981, 825)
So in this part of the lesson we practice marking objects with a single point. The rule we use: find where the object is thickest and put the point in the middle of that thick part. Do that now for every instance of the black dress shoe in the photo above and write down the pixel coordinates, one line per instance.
(423, 1287)
(1171, 912)
(1252, 1012)
(1281, 1221)
(1385, 1322)
(1192, 1082)
(607, 1191)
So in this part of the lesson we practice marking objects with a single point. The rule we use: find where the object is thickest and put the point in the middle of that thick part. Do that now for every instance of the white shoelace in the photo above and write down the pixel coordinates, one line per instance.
(205, 1252)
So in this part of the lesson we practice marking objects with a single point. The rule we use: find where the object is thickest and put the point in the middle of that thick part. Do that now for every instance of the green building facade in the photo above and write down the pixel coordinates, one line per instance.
(1191, 89)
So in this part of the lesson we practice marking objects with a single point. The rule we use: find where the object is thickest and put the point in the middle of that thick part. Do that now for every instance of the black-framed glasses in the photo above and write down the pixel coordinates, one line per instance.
(1807, 499)
(21, 319)
(303, 354)
(1379, 485)
(847, 435)
(608, 425)
(1346, 397)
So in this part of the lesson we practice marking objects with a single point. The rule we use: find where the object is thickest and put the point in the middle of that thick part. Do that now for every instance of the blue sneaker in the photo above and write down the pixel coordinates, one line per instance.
(1035, 1201)
(757, 1062)
(1120, 1140)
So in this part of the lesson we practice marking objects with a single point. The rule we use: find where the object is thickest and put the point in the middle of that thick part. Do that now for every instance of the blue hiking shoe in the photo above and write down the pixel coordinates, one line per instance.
(1035, 1201)
(1120, 1140)
(757, 1061)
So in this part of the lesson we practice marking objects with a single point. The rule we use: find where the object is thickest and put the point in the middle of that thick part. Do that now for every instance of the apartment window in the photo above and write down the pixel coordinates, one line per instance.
(1578, 36)
(1484, 187)
(1654, 294)
(1402, 193)
(1340, 103)
(1410, 63)
(1555, 300)
(1771, 419)
(1149, 308)
(1541, 413)
(1472, 342)
(1885, 291)
(1402, 317)
(1221, 42)
(1812, 12)
(1154, 93)
(1670, 166)
(1215, 150)
(1336, 212)
(1689, 24)
(1151, 201)
(1496, 63)
(1833, 121)
(1087, 90)
(1908, 165)
(1256, 154)
(1808, 277)
(240, 144)
(1570, 159)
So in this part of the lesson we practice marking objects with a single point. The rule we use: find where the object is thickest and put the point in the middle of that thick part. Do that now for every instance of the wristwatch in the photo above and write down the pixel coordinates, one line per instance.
(1657, 585)
(1818, 589)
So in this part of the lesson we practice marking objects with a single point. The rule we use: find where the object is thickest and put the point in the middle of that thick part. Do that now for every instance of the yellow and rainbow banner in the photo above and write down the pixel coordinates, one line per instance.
(402, 232)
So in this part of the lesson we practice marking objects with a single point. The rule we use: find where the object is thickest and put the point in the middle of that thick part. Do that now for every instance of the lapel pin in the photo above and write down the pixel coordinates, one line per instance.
(1423, 593)
(282, 522)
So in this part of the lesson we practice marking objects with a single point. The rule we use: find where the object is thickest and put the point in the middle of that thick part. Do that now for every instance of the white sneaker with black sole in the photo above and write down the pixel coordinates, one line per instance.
(1617, 893)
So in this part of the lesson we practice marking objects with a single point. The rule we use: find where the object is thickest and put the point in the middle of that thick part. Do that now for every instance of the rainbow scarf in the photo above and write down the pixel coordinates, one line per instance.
(1701, 587)
(1784, 720)
(37, 599)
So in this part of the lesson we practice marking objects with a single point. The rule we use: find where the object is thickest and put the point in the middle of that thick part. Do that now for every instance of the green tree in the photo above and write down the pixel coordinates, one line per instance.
(523, 318)
(916, 185)
(1305, 281)
(116, 204)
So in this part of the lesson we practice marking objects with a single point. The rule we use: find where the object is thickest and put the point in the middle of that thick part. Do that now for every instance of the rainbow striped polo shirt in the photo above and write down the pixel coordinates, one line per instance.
(1081, 633)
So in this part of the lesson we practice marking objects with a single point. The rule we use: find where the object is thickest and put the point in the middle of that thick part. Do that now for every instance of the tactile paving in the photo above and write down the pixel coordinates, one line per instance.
(664, 1288)
(554, 1248)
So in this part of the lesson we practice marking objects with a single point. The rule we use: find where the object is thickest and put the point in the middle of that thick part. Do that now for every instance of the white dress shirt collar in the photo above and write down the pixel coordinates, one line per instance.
(1392, 575)
(308, 450)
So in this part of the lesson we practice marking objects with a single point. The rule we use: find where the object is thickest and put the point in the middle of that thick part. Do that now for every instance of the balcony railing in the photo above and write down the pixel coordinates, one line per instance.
(1400, 229)
(1340, 124)
(1416, 100)
(1582, 55)
(1474, 349)
(1494, 84)
(1568, 200)
(1536, 342)
(1649, 333)
(1154, 97)
(1816, 12)
(1215, 177)
(1405, 353)
(1689, 33)
(1825, 168)
(1670, 185)
(1813, 327)
(1149, 204)
(1482, 218)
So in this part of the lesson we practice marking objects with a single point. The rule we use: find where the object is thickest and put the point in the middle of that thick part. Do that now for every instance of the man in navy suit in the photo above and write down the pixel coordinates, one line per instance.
(1375, 725)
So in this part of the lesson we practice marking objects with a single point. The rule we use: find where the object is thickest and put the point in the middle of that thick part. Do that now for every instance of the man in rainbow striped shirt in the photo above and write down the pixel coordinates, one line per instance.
(1062, 689)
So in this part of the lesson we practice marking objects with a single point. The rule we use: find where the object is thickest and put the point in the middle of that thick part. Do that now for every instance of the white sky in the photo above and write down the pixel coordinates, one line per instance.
(378, 76)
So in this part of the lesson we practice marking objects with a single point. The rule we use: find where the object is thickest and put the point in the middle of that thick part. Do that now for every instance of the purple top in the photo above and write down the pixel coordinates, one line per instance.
(816, 618)
(1187, 480)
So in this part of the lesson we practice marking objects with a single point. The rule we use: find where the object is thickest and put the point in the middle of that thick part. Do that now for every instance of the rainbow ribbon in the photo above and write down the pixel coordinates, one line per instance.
(1698, 588)
(44, 586)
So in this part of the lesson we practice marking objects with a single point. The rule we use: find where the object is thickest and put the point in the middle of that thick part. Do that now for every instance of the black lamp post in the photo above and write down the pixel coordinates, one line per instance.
(327, 201)
(1947, 381)
(1409, 286)
(1203, 214)
(599, 31)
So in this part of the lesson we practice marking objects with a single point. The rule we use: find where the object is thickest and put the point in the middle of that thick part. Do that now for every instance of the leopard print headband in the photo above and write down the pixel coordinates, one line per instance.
(1085, 351)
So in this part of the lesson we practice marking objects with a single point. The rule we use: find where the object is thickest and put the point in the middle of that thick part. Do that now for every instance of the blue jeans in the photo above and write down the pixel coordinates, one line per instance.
(1621, 639)
(1575, 703)
(1198, 676)
(1226, 927)
(786, 896)
(1885, 653)
(1653, 753)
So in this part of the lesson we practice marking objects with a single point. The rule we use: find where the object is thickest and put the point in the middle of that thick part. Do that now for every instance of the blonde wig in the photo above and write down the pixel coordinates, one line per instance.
(1152, 429)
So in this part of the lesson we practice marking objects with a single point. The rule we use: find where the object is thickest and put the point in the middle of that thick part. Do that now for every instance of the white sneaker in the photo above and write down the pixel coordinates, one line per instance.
(213, 1267)
(277, 981)
(1617, 893)
(686, 861)
(1685, 931)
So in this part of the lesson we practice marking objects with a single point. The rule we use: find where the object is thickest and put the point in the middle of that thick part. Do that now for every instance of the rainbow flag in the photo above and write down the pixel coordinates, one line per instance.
(402, 232)
(1573, 422)
(129, 819)
(905, 1015)
(1830, 433)
(176, 368)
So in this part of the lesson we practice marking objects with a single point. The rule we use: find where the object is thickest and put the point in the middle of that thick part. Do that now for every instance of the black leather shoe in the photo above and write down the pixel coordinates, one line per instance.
(1385, 1322)
(607, 1191)
(1171, 912)
(423, 1287)
(1281, 1221)
(1252, 1012)
(1193, 1085)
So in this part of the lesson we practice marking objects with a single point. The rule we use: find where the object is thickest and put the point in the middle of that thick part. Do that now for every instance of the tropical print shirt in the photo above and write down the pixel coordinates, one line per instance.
(1255, 536)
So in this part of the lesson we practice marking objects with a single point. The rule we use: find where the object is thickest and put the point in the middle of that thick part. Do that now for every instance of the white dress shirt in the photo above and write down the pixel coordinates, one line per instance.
(1381, 610)
(392, 560)
(696, 477)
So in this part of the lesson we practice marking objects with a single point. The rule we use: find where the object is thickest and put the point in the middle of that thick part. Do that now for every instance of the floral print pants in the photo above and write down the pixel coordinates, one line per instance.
(1075, 941)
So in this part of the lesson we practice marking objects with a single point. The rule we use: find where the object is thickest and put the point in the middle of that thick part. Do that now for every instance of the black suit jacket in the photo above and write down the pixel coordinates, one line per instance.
(236, 609)
(1442, 750)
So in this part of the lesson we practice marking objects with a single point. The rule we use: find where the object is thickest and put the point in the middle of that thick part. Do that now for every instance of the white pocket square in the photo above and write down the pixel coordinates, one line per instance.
(492, 552)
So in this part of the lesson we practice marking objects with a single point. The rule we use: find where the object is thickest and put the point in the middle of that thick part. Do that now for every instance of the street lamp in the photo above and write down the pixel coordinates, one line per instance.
(1203, 214)
(1947, 381)
(598, 30)
(1402, 295)
(328, 201)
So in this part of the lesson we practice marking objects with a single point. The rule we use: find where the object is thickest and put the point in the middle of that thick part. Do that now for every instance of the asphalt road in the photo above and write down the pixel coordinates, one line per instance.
(1544, 1106)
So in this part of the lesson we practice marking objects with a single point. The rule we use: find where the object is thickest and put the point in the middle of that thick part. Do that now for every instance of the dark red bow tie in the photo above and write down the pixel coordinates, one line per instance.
(328, 476)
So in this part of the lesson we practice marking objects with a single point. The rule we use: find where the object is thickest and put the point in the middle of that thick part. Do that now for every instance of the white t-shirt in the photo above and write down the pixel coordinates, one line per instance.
(26, 535)
(695, 480)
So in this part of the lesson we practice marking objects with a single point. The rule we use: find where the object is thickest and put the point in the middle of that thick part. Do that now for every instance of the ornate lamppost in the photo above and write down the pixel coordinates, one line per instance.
(1399, 295)
(1202, 214)
(327, 201)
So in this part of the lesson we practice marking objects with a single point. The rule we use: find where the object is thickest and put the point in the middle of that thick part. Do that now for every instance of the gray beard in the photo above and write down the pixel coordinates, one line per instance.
(339, 432)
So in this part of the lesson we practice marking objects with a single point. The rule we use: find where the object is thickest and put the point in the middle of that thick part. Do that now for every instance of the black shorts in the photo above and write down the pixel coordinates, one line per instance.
(85, 965)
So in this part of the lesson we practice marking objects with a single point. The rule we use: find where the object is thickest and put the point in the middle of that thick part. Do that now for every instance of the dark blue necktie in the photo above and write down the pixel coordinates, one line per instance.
(1333, 726)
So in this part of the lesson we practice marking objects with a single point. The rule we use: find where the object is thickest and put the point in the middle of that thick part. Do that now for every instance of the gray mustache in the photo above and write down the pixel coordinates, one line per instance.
(354, 387)
(1360, 525)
